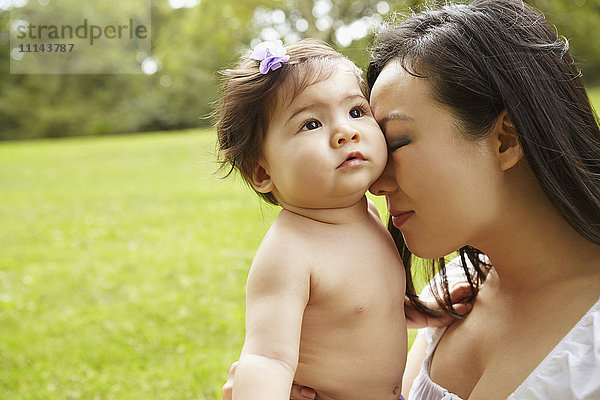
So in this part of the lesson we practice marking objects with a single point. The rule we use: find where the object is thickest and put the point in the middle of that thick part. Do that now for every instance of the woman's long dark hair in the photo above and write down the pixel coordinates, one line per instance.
(491, 55)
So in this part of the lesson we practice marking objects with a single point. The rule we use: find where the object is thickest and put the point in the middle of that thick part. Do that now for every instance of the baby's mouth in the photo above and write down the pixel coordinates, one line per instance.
(353, 158)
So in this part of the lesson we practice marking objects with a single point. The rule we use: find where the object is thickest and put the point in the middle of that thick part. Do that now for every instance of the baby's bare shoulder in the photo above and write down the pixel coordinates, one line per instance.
(373, 208)
(286, 233)
(283, 246)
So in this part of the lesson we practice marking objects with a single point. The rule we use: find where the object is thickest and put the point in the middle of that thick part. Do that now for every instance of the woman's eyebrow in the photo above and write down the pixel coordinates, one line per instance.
(394, 116)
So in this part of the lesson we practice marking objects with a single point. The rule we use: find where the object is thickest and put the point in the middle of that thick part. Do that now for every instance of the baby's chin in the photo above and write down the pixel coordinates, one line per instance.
(329, 202)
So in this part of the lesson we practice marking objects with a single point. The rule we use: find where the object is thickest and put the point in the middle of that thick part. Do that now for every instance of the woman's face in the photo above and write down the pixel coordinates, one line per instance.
(440, 188)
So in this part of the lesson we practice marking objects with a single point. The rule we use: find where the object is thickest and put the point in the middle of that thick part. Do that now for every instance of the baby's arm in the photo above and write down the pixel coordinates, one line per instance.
(276, 295)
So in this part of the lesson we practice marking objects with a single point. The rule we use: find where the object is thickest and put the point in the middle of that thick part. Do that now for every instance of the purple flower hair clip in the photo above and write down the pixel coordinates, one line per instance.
(271, 55)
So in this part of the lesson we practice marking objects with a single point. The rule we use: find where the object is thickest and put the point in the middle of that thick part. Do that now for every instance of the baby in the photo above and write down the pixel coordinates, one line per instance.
(325, 292)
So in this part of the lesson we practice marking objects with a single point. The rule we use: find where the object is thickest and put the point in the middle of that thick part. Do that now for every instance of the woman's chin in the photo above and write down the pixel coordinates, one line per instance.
(424, 249)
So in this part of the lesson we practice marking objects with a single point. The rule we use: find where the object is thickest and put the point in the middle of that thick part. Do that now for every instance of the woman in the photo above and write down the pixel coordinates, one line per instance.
(494, 150)
(494, 146)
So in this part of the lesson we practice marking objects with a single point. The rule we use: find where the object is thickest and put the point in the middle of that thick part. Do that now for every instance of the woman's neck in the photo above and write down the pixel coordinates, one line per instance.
(537, 247)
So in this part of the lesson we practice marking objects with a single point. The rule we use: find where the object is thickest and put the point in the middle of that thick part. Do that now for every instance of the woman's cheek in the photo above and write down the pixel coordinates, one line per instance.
(408, 170)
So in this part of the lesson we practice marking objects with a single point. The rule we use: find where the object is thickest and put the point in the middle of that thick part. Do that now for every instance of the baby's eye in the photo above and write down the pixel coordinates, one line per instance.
(311, 125)
(357, 112)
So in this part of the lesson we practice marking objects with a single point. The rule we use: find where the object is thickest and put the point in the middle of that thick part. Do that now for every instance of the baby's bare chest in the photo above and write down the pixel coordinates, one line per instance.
(355, 317)
(356, 273)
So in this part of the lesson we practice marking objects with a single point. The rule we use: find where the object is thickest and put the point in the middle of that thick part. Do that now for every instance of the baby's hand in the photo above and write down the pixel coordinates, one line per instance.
(302, 393)
(298, 392)
(228, 386)
(458, 293)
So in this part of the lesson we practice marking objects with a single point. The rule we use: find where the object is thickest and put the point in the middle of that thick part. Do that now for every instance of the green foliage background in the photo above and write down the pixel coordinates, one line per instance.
(191, 44)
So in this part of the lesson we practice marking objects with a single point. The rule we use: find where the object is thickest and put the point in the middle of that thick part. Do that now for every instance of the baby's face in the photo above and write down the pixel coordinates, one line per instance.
(324, 149)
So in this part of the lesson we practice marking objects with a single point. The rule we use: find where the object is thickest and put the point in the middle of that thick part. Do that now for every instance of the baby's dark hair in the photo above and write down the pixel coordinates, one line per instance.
(249, 97)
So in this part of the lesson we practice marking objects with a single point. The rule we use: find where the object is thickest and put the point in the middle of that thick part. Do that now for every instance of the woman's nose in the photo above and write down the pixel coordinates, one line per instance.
(344, 135)
(386, 183)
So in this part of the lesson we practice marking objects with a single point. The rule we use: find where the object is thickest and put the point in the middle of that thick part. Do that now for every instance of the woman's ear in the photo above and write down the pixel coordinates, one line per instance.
(508, 147)
(261, 180)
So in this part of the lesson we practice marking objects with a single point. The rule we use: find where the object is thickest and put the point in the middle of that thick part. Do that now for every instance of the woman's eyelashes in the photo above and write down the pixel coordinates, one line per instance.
(396, 142)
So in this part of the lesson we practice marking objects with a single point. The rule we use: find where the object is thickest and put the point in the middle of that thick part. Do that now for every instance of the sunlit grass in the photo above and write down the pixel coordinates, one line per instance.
(122, 268)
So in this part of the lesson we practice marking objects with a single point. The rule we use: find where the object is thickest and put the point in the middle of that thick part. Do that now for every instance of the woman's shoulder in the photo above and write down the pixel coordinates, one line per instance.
(572, 368)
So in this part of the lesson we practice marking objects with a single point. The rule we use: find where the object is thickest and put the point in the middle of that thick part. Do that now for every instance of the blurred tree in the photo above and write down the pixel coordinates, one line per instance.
(192, 39)
(38, 105)
(190, 45)
(346, 24)
(576, 20)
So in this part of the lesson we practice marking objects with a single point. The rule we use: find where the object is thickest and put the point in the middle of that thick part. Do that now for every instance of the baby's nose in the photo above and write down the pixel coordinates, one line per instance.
(345, 135)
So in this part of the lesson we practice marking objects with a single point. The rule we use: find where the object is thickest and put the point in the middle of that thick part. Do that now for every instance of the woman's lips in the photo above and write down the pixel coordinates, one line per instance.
(400, 217)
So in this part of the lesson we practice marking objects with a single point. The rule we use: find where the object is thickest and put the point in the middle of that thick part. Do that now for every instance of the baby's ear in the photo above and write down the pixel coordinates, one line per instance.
(508, 147)
(261, 180)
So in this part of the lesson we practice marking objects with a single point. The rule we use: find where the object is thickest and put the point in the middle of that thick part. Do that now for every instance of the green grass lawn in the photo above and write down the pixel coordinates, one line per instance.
(122, 267)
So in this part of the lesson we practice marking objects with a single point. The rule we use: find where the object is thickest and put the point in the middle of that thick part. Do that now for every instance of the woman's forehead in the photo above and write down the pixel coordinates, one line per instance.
(393, 82)
(393, 74)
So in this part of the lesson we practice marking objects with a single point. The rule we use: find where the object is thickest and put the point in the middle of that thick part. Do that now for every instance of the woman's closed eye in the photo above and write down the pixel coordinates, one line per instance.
(396, 142)
(310, 125)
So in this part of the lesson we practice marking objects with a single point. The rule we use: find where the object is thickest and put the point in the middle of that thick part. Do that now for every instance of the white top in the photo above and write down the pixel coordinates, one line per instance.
(570, 371)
